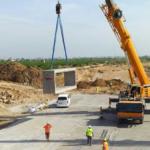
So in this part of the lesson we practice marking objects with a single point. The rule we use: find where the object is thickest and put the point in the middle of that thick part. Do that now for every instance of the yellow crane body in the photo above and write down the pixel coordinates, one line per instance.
(136, 70)
(126, 42)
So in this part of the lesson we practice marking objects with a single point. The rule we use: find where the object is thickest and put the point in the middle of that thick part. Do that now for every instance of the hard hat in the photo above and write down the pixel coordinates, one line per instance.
(89, 126)
(105, 140)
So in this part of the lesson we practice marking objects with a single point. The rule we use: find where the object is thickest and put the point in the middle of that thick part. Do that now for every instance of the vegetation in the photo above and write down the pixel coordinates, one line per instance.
(74, 62)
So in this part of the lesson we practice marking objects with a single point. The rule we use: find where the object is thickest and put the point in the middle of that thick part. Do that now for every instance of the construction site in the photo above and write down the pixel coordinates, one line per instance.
(107, 105)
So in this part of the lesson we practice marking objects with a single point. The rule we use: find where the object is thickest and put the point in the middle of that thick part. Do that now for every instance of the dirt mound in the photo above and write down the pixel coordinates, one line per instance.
(99, 82)
(17, 72)
(83, 85)
(117, 84)
(87, 77)
(109, 86)
(13, 93)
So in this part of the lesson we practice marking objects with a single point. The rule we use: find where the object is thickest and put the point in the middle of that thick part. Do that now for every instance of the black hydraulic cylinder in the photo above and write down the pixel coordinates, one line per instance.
(109, 3)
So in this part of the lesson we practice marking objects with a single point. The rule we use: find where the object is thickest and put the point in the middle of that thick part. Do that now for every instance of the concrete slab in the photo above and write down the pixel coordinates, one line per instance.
(50, 80)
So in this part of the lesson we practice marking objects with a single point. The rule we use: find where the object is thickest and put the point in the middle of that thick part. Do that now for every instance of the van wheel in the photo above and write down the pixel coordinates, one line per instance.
(119, 121)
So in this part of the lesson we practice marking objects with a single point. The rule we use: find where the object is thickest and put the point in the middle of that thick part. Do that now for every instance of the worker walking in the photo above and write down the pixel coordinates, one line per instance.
(47, 128)
(89, 134)
(105, 144)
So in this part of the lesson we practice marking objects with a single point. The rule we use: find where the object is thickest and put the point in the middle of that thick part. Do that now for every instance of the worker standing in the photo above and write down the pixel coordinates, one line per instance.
(89, 134)
(105, 144)
(47, 128)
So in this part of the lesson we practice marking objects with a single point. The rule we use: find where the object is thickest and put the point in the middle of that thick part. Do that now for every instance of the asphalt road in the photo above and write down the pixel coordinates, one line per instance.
(69, 125)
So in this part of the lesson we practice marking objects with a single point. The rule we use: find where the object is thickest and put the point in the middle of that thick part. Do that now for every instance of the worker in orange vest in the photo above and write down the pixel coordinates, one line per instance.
(47, 128)
(105, 144)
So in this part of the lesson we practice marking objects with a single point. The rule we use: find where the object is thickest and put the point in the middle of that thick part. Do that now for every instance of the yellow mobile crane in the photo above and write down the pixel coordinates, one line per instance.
(130, 105)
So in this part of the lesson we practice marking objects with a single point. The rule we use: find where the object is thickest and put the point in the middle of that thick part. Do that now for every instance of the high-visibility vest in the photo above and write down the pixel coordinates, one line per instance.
(105, 146)
(89, 132)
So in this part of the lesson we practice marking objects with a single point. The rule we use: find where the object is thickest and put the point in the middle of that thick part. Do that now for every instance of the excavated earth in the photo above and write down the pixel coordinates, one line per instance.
(22, 85)
(19, 73)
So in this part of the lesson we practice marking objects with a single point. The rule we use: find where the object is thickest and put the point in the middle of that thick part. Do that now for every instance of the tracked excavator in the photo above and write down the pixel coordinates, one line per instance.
(130, 103)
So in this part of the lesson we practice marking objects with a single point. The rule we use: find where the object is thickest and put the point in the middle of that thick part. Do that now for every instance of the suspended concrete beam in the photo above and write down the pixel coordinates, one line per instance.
(50, 80)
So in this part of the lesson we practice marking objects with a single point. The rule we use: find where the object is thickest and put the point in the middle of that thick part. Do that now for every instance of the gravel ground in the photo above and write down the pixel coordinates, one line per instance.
(69, 125)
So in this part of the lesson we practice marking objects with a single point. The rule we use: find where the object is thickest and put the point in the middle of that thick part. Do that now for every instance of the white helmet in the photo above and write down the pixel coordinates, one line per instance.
(89, 126)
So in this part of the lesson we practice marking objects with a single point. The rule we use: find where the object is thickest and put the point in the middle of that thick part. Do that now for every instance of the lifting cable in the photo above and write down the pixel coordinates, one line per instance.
(58, 23)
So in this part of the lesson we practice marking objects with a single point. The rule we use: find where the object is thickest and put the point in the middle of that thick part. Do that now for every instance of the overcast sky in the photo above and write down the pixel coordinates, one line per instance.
(27, 28)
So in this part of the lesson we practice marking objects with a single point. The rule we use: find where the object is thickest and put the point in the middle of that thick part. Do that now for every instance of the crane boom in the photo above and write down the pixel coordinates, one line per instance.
(115, 19)
(130, 103)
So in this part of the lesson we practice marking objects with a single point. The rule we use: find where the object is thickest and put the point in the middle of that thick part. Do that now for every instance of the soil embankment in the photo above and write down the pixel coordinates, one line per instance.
(20, 84)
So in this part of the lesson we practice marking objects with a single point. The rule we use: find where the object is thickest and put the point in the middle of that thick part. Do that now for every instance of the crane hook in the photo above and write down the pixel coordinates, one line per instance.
(58, 8)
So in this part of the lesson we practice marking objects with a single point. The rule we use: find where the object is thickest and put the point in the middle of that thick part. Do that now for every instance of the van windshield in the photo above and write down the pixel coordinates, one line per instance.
(136, 108)
(62, 98)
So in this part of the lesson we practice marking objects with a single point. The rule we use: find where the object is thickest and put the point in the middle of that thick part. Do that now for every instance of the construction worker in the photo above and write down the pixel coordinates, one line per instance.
(47, 128)
(89, 134)
(105, 144)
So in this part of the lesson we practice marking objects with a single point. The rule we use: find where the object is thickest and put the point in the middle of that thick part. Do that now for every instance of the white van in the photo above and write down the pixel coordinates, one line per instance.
(63, 100)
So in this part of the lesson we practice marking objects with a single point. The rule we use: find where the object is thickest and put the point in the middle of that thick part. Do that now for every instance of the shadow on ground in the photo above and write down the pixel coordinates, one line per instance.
(130, 143)
(15, 122)
(65, 142)
(64, 113)
(81, 142)
(147, 111)
(104, 122)
(109, 118)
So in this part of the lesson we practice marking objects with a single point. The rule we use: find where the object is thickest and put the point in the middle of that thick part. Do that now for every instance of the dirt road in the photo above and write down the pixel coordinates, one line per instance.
(69, 125)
